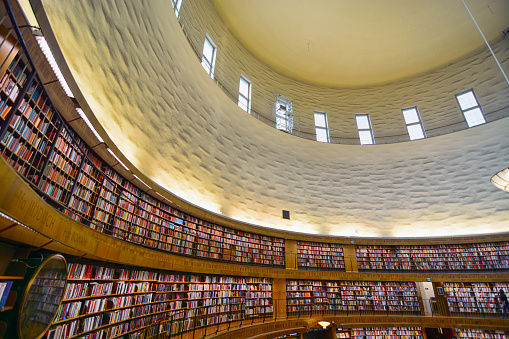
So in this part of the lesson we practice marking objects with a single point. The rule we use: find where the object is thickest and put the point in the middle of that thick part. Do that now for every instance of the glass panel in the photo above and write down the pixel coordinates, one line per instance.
(243, 103)
(208, 51)
(205, 65)
(362, 122)
(415, 132)
(410, 116)
(42, 297)
(244, 87)
(365, 137)
(474, 117)
(320, 120)
(467, 100)
(177, 6)
(321, 135)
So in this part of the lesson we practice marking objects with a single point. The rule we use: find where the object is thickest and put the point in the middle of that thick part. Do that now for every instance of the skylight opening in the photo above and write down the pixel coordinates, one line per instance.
(470, 108)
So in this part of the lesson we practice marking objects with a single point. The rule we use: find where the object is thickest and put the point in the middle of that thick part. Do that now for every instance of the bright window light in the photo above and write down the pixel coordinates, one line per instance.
(209, 56)
(49, 56)
(470, 108)
(365, 130)
(413, 123)
(176, 6)
(322, 130)
(245, 94)
(284, 113)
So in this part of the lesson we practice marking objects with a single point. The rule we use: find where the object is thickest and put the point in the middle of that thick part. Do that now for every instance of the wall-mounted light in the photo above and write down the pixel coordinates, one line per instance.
(41, 40)
(84, 117)
(324, 324)
(116, 158)
(143, 182)
(501, 179)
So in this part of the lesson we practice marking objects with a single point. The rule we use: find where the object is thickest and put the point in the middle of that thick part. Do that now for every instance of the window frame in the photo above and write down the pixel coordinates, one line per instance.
(419, 122)
(326, 128)
(370, 129)
(176, 4)
(248, 98)
(478, 106)
(210, 63)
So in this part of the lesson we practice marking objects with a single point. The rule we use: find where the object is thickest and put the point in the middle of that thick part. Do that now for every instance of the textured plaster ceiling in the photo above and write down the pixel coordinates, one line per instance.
(132, 71)
(357, 43)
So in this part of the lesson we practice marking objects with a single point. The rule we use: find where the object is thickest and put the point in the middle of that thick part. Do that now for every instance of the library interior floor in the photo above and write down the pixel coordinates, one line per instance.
(143, 197)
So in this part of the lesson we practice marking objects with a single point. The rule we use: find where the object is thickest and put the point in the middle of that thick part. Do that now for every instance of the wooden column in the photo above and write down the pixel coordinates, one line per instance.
(350, 258)
(291, 254)
(279, 298)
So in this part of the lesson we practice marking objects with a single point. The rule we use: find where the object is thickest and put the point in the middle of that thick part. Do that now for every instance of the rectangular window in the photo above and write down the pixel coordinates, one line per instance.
(245, 94)
(176, 6)
(470, 108)
(208, 58)
(322, 129)
(365, 130)
(413, 123)
(284, 114)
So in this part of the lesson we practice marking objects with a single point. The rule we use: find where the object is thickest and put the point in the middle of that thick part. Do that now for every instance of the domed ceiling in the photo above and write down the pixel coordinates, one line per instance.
(360, 43)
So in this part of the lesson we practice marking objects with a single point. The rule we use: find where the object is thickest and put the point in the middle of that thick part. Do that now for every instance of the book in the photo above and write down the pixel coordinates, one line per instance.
(5, 287)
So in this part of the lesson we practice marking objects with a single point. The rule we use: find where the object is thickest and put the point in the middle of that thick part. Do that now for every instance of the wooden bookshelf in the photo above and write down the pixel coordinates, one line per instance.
(387, 332)
(62, 169)
(479, 299)
(111, 301)
(320, 255)
(447, 257)
(343, 297)
(28, 125)
(46, 151)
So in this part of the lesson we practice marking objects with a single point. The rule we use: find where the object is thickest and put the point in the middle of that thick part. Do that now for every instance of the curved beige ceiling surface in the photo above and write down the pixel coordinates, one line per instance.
(134, 70)
(360, 43)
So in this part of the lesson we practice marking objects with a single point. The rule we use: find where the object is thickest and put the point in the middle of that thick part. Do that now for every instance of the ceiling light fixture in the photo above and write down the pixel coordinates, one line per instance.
(501, 179)
(324, 324)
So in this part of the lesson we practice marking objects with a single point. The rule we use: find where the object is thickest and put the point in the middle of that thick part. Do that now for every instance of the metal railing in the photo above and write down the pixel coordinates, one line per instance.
(182, 324)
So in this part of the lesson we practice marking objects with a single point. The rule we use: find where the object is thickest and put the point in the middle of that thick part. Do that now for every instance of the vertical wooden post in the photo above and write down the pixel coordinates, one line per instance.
(279, 298)
(291, 254)
(350, 258)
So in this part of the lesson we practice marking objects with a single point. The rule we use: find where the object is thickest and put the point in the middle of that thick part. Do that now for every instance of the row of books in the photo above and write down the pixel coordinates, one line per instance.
(477, 256)
(474, 297)
(478, 334)
(352, 295)
(387, 332)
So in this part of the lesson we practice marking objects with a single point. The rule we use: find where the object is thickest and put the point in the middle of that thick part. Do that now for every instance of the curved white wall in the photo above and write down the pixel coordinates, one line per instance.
(141, 79)
(433, 92)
